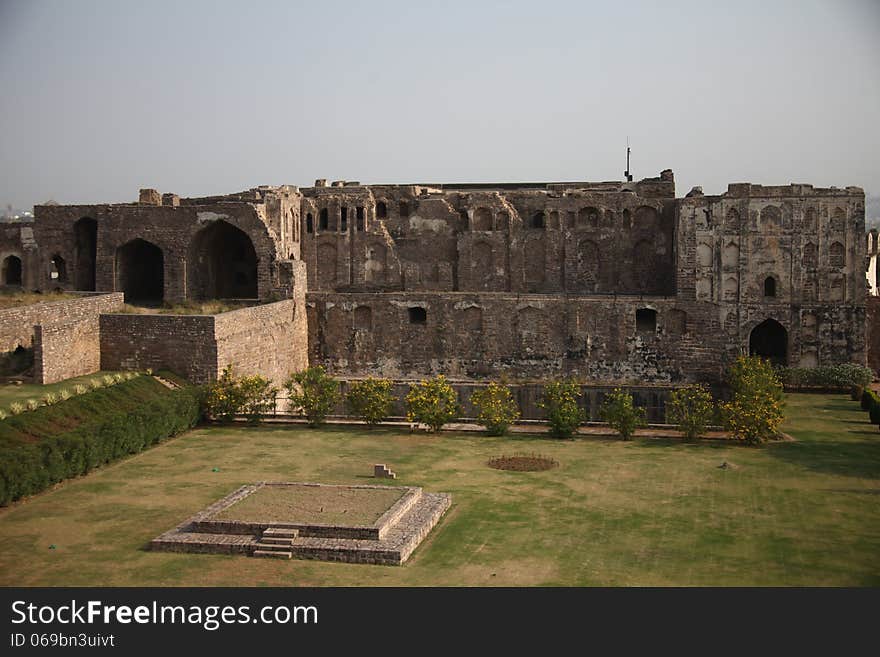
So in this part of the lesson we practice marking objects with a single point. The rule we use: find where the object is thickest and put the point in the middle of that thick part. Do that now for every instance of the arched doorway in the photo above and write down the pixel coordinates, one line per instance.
(222, 264)
(140, 272)
(12, 270)
(769, 340)
(85, 232)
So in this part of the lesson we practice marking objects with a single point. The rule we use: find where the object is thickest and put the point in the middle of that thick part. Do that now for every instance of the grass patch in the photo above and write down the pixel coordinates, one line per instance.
(213, 307)
(16, 298)
(643, 512)
(10, 392)
(323, 505)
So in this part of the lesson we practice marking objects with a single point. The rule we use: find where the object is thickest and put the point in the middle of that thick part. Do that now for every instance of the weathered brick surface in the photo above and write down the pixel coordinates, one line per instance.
(64, 334)
(873, 333)
(529, 280)
(255, 340)
(403, 527)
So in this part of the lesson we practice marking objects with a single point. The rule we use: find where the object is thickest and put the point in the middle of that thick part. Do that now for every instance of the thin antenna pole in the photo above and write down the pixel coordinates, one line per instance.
(627, 173)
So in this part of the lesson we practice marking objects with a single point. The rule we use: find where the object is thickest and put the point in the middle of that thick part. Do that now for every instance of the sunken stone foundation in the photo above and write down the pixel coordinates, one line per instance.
(388, 540)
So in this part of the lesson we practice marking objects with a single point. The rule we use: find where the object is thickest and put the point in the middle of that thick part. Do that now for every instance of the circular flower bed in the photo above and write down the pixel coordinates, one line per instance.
(523, 462)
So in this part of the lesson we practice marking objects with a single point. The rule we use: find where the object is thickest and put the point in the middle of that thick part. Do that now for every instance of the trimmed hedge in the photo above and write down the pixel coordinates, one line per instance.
(871, 402)
(29, 466)
(844, 375)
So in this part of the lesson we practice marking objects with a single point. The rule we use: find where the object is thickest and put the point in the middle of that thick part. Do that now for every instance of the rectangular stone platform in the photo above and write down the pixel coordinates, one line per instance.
(389, 541)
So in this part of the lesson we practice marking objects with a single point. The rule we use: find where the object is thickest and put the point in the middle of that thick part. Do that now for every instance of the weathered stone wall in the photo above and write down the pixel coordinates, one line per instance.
(520, 336)
(873, 333)
(17, 324)
(19, 258)
(267, 340)
(196, 242)
(792, 254)
(184, 344)
(580, 238)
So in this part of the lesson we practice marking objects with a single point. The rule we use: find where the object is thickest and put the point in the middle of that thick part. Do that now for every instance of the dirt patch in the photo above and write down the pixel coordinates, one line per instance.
(322, 505)
(523, 463)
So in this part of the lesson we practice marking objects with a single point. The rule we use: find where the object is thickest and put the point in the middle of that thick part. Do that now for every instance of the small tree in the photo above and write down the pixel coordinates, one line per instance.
(692, 409)
(756, 411)
(432, 402)
(313, 393)
(371, 399)
(560, 401)
(496, 408)
(223, 399)
(619, 411)
(257, 395)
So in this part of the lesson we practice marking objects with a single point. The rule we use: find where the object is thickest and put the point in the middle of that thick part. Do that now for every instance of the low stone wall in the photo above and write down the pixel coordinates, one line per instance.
(652, 398)
(17, 324)
(64, 334)
(182, 343)
(255, 340)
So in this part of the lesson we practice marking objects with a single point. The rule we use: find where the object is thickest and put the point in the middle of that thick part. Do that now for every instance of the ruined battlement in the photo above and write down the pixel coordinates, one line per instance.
(610, 280)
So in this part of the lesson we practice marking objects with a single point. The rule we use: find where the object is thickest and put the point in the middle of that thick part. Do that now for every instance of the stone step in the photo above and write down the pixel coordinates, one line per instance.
(263, 545)
(273, 554)
(280, 532)
(277, 540)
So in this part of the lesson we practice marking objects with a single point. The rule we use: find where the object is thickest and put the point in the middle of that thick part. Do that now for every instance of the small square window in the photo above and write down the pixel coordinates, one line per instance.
(418, 315)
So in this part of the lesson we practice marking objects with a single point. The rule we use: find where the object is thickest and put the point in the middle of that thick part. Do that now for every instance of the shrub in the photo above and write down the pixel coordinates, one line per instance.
(16, 408)
(96, 384)
(314, 393)
(855, 393)
(50, 398)
(106, 434)
(432, 402)
(118, 377)
(371, 399)
(80, 389)
(149, 371)
(496, 408)
(560, 402)
(692, 409)
(756, 411)
(874, 409)
(619, 411)
(843, 375)
(108, 379)
(3, 414)
(32, 404)
(257, 395)
(65, 394)
(223, 399)
(865, 401)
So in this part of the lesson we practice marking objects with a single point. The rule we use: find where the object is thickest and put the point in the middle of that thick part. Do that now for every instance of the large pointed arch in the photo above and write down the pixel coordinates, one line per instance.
(769, 339)
(140, 272)
(222, 264)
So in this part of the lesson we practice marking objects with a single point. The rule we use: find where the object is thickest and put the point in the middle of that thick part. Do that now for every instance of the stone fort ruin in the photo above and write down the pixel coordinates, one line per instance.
(612, 282)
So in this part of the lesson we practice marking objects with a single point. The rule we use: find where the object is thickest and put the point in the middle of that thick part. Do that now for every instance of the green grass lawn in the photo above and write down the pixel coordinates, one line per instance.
(9, 392)
(645, 512)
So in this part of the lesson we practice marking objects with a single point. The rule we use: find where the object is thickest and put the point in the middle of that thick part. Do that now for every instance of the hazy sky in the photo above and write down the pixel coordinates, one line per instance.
(103, 98)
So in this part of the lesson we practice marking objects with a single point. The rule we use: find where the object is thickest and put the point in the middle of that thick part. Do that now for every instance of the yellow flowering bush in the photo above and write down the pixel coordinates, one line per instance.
(252, 396)
(223, 399)
(314, 393)
(757, 409)
(432, 402)
(619, 411)
(496, 408)
(371, 399)
(560, 401)
(691, 408)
